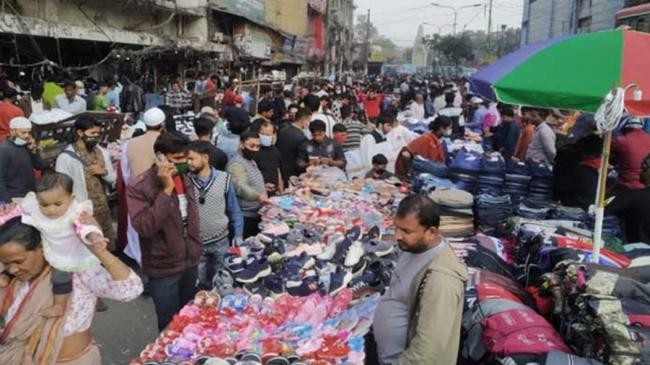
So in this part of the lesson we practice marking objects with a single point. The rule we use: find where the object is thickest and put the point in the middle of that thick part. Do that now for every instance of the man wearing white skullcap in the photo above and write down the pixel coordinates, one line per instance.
(138, 157)
(479, 112)
(18, 160)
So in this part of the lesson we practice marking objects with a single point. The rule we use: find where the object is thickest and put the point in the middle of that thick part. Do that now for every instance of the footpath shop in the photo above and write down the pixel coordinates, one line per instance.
(306, 288)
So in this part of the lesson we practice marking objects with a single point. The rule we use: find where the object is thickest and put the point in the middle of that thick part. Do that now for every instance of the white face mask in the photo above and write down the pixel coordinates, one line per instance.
(81, 92)
(448, 132)
(266, 141)
(20, 142)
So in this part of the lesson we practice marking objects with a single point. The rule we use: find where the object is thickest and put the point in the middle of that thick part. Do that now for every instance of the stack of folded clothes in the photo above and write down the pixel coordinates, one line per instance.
(517, 180)
(541, 185)
(421, 165)
(568, 213)
(427, 183)
(529, 208)
(491, 177)
(456, 215)
(464, 170)
(492, 211)
(611, 225)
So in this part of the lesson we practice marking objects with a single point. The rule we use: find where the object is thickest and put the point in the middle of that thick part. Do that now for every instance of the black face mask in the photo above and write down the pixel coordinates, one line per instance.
(90, 142)
(248, 154)
(380, 171)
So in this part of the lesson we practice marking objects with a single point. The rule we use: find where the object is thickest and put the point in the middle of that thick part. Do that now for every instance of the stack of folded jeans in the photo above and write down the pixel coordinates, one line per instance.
(541, 185)
(464, 170)
(456, 215)
(532, 209)
(427, 183)
(568, 213)
(493, 169)
(517, 180)
(492, 211)
(611, 225)
(421, 165)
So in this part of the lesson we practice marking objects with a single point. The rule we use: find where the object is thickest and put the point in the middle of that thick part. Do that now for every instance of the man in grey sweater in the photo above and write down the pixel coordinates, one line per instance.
(248, 181)
(218, 209)
(18, 160)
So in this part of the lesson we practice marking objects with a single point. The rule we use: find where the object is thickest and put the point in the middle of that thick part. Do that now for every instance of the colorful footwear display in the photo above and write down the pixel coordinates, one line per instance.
(314, 330)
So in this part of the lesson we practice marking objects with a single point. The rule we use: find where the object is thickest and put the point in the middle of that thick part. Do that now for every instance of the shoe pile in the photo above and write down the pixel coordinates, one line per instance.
(251, 330)
(307, 260)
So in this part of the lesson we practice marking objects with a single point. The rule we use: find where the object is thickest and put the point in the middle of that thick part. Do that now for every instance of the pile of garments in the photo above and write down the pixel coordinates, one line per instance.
(243, 329)
(492, 174)
(540, 188)
(464, 169)
(492, 211)
(516, 180)
(456, 214)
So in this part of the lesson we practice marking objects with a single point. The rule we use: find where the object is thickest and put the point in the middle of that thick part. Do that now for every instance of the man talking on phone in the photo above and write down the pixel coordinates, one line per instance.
(320, 150)
(164, 212)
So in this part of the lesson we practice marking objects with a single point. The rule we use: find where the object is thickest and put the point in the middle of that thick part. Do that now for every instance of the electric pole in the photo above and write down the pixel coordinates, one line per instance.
(366, 48)
(489, 24)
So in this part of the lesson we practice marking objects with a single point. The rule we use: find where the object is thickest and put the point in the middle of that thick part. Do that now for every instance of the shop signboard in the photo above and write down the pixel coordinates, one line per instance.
(250, 9)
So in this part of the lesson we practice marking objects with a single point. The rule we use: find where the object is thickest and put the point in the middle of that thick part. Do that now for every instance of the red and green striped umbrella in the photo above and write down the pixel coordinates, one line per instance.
(573, 72)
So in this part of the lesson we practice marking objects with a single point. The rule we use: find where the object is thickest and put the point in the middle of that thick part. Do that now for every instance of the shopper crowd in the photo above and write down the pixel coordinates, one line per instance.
(453, 208)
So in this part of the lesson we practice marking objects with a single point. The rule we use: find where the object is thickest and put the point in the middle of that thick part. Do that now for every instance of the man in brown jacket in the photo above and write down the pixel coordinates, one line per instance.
(164, 212)
(418, 319)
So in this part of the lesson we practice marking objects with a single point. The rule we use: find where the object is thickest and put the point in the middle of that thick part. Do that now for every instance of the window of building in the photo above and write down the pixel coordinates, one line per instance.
(584, 25)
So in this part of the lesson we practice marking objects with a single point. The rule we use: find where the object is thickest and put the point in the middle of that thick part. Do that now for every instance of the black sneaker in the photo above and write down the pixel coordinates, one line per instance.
(339, 280)
(274, 283)
(373, 233)
(342, 251)
(353, 233)
(254, 271)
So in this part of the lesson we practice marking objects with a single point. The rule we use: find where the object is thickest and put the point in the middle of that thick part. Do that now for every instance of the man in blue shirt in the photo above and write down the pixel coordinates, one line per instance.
(480, 111)
(218, 209)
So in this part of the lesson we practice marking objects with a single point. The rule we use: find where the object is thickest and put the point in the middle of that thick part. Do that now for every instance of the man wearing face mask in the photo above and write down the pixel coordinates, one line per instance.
(18, 160)
(249, 182)
(90, 167)
(427, 146)
(269, 159)
(164, 211)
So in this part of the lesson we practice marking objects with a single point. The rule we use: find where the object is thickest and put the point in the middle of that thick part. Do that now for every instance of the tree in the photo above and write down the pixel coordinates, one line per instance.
(360, 28)
(457, 49)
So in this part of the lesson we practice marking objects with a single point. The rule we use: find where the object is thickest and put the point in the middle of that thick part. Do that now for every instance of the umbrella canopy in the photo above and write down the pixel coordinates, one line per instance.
(573, 72)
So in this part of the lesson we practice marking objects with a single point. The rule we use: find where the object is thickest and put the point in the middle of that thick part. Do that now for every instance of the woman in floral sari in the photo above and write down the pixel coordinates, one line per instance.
(28, 338)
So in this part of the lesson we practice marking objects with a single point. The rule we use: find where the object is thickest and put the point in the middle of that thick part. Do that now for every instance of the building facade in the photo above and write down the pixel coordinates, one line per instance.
(544, 19)
(195, 34)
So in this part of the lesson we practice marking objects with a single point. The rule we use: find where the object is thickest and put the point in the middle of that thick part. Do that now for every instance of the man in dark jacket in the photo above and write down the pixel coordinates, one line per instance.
(18, 160)
(506, 135)
(578, 187)
(290, 139)
(164, 212)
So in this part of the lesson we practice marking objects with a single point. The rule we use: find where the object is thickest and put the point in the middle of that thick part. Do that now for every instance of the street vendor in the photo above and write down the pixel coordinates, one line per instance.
(321, 150)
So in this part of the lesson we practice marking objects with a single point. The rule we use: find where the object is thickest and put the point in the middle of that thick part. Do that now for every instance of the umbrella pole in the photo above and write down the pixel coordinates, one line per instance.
(600, 197)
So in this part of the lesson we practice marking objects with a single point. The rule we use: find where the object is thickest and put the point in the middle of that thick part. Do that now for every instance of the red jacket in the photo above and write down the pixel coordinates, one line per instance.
(168, 247)
(628, 151)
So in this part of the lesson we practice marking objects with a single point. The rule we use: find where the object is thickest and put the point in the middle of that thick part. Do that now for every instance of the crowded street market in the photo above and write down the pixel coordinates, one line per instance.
(246, 217)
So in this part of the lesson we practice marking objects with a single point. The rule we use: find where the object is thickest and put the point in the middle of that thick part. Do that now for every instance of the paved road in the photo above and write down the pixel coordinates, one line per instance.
(124, 330)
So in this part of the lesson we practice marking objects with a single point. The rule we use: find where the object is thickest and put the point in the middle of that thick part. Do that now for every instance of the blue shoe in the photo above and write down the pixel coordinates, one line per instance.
(275, 284)
(308, 286)
(254, 271)
(342, 250)
(297, 263)
(353, 233)
(234, 263)
(339, 280)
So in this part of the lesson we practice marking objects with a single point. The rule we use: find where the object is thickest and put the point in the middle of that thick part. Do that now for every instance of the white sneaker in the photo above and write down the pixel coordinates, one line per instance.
(354, 254)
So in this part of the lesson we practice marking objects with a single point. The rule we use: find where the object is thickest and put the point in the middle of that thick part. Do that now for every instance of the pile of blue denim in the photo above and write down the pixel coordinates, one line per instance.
(491, 177)
(532, 209)
(516, 180)
(568, 213)
(611, 225)
(425, 183)
(540, 188)
(464, 169)
(492, 211)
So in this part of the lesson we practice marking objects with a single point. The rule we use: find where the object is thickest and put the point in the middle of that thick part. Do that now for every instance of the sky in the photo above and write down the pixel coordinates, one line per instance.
(399, 20)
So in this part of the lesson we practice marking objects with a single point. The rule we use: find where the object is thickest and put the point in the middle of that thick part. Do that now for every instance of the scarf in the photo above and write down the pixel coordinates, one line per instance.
(28, 338)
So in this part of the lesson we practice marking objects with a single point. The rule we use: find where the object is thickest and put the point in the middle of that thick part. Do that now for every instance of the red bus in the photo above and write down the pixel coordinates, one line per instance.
(636, 17)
